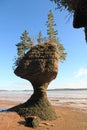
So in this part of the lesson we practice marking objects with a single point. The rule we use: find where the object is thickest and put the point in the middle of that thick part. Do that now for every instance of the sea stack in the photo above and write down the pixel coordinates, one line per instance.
(40, 67)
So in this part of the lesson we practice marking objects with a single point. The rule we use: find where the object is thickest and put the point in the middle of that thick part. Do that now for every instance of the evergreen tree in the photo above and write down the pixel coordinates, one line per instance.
(64, 4)
(40, 39)
(50, 25)
(45, 40)
(61, 51)
(52, 33)
(22, 47)
(25, 44)
(20, 50)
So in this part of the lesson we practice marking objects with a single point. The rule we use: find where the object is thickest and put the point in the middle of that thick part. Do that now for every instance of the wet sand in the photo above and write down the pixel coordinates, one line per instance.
(69, 118)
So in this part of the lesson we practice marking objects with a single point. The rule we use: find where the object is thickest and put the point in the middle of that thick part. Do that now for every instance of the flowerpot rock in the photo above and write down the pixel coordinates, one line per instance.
(40, 67)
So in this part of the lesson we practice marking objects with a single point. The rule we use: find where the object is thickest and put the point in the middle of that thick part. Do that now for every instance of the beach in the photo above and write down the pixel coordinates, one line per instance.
(70, 116)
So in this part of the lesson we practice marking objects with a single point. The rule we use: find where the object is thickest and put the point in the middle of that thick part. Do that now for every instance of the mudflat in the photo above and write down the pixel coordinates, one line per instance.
(68, 119)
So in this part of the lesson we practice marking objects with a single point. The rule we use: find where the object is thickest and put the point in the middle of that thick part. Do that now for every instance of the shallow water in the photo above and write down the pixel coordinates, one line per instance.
(69, 98)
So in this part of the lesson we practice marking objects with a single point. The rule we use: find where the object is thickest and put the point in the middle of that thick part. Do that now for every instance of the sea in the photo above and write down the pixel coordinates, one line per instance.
(76, 98)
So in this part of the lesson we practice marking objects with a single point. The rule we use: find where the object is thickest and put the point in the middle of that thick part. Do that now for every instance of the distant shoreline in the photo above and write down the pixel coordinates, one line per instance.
(63, 89)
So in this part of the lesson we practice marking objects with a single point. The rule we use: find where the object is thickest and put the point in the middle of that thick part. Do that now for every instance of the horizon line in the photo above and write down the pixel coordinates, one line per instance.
(47, 89)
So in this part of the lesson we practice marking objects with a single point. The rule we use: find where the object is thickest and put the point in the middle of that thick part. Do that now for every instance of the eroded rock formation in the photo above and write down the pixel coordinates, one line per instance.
(40, 67)
(80, 13)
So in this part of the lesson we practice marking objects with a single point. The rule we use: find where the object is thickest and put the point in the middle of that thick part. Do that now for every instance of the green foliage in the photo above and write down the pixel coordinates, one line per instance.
(52, 33)
(40, 39)
(22, 47)
(25, 44)
(50, 25)
(61, 50)
(64, 4)
(45, 40)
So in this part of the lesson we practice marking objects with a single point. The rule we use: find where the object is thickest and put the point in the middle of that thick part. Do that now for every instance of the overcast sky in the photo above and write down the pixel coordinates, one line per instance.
(31, 15)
